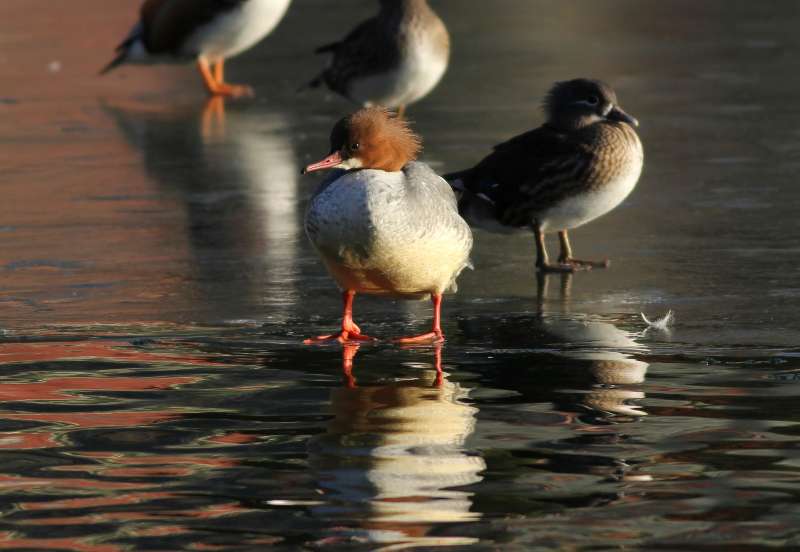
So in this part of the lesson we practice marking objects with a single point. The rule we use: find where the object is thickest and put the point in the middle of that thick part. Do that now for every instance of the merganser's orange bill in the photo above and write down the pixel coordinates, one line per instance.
(329, 162)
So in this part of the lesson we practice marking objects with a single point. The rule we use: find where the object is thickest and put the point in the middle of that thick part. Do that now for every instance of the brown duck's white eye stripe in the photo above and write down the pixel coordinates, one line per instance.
(591, 102)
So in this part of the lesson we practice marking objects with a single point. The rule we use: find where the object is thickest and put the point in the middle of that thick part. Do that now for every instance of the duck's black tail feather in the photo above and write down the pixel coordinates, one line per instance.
(114, 63)
(316, 82)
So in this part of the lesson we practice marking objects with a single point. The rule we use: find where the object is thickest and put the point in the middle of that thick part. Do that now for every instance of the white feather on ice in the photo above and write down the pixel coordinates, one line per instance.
(661, 324)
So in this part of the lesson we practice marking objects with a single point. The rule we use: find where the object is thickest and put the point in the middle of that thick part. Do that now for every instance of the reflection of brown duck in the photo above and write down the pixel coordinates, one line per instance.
(392, 456)
(582, 364)
(609, 368)
(238, 181)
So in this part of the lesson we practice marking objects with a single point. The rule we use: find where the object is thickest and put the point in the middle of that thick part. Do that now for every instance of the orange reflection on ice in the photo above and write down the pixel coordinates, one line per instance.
(153, 471)
(27, 441)
(87, 420)
(160, 531)
(9, 541)
(107, 350)
(214, 511)
(204, 461)
(233, 438)
(9, 482)
(94, 501)
(59, 389)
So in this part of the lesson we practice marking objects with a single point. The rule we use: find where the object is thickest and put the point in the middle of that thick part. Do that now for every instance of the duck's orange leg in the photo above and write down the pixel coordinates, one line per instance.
(215, 80)
(350, 331)
(435, 335)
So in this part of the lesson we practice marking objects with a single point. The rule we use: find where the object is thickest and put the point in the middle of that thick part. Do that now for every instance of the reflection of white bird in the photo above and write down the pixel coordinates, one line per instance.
(238, 183)
(392, 456)
(607, 350)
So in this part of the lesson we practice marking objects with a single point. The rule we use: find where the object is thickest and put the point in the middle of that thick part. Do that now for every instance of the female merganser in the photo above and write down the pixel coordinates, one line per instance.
(578, 166)
(384, 224)
(392, 59)
(208, 31)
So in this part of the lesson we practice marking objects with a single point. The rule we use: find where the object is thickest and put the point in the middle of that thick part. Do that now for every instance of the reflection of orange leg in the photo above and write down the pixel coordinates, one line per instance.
(438, 363)
(213, 125)
(350, 331)
(433, 336)
(349, 351)
(215, 83)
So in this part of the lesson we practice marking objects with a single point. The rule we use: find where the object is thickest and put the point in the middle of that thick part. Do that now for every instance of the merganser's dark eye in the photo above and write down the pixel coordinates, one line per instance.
(593, 100)
(354, 147)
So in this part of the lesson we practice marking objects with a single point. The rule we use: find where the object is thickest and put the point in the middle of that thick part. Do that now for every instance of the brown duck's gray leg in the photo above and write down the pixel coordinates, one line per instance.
(542, 261)
(566, 258)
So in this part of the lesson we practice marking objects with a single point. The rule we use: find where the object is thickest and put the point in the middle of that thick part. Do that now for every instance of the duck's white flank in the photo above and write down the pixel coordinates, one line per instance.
(234, 32)
(419, 72)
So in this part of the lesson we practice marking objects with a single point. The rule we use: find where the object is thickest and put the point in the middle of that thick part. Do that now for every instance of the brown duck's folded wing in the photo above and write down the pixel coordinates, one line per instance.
(168, 23)
(367, 50)
(529, 173)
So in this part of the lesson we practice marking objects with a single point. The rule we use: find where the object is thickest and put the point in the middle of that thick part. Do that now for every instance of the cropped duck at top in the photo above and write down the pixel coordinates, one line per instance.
(383, 223)
(393, 59)
(582, 163)
(208, 31)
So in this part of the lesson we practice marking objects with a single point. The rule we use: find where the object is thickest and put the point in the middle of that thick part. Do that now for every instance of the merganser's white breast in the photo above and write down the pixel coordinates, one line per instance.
(389, 233)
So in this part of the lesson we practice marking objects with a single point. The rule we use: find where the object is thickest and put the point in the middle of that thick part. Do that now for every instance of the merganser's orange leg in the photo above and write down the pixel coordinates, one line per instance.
(435, 335)
(215, 82)
(350, 331)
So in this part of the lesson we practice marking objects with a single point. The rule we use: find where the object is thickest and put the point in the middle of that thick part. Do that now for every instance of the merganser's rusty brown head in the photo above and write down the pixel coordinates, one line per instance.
(370, 138)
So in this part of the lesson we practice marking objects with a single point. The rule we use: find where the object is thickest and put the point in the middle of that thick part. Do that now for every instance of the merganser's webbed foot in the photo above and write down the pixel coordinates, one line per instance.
(435, 335)
(350, 331)
(341, 337)
(422, 339)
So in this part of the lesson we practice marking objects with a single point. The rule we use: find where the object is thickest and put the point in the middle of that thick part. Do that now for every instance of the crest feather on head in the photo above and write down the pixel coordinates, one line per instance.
(385, 141)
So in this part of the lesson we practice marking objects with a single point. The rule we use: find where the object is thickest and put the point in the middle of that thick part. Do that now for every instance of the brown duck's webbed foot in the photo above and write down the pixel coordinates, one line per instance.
(560, 268)
(566, 258)
(543, 264)
(585, 265)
